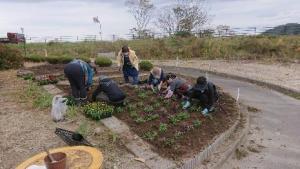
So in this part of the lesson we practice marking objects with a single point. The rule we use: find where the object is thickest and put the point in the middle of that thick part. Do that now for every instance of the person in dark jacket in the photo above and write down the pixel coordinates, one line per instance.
(206, 93)
(80, 75)
(108, 91)
(156, 78)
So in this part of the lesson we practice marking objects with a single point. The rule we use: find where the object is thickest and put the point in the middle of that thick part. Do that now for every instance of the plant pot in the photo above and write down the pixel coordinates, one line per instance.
(60, 161)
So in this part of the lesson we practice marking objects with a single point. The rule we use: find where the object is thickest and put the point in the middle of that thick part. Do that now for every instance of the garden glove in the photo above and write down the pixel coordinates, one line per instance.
(205, 112)
(186, 104)
(169, 94)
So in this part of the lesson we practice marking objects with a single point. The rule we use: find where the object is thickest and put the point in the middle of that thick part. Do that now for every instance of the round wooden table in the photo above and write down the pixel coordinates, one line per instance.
(78, 157)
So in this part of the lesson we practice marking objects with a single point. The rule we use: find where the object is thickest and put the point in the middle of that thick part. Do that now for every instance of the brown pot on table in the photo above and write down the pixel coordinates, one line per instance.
(59, 163)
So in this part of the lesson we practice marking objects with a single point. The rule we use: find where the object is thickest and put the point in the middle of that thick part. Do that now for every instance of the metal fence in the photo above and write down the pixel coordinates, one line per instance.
(224, 31)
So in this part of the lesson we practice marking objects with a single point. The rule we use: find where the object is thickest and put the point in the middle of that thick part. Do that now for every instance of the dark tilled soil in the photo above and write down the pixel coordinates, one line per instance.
(192, 139)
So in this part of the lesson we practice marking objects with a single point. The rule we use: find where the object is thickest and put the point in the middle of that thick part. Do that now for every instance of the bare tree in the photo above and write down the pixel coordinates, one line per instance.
(141, 10)
(183, 16)
(166, 20)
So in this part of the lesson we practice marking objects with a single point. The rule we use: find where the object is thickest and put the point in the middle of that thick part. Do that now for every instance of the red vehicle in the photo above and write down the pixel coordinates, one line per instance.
(13, 38)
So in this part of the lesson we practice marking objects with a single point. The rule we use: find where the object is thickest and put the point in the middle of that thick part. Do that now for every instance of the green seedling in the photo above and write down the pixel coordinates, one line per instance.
(133, 114)
(131, 107)
(173, 120)
(197, 123)
(195, 108)
(119, 110)
(156, 105)
(178, 134)
(182, 116)
(148, 109)
(151, 117)
(140, 104)
(150, 135)
(169, 142)
(140, 120)
(142, 95)
(163, 127)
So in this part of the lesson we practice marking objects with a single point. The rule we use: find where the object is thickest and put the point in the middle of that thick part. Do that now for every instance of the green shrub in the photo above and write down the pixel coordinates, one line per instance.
(59, 59)
(150, 135)
(10, 58)
(146, 65)
(103, 61)
(35, 58)
(98, 111)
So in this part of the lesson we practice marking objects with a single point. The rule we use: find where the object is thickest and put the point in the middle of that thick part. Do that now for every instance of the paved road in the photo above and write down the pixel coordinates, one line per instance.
(276, 127)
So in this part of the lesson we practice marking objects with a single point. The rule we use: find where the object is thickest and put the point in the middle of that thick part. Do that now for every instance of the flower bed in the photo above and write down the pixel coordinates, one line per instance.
(173, 132)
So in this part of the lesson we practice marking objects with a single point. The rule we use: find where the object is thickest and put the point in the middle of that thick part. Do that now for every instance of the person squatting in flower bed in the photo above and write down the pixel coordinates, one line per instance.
(108, 91)
(203, 91)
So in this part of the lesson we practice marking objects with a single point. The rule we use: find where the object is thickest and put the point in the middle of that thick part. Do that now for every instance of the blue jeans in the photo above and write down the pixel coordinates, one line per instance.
(131, 72)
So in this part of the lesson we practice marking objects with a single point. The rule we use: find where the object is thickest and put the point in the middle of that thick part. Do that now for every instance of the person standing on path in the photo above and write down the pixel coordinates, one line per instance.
(80, 75)
(128, 62)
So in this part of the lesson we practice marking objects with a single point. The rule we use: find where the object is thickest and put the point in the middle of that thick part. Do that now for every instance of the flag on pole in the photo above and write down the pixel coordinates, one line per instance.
(96, 20)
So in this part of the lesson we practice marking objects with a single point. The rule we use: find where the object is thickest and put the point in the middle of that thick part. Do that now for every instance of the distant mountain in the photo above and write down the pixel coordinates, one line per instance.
(287, 29)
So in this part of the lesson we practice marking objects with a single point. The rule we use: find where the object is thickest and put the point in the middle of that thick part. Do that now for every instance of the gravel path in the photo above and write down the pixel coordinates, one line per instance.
(273, 141)
(284, 75)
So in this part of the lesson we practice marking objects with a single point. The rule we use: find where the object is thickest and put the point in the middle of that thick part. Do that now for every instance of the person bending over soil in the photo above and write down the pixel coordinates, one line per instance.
(205, 92)
(129, 63)
(177, 86)
(156, 79)
(80, 75)
(108, 91)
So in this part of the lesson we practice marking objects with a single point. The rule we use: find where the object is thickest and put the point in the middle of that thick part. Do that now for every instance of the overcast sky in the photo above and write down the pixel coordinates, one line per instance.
(74, 17)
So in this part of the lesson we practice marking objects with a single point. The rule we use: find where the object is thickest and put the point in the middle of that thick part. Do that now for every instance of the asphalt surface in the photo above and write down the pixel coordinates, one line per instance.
(276, 128)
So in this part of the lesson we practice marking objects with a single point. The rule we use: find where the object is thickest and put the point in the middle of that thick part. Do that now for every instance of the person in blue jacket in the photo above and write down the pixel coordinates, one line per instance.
(80, 75)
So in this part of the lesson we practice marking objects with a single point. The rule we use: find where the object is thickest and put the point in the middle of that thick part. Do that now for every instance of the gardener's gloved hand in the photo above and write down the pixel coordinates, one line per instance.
(169, 94)
(205, 111)
(159, 87)
(186, 104)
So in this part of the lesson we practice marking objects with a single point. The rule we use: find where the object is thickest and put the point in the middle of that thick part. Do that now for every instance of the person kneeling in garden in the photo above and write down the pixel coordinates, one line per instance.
(129, 63)
(80, 75)
(156, 79)
(206, 93)
(179, 87)
(108, 91)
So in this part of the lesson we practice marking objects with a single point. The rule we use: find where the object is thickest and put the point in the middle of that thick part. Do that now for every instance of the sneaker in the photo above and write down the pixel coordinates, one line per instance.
(186, 105)
(205, 112)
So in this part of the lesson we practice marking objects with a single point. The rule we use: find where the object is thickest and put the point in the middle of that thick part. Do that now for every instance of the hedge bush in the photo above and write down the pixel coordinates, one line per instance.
(146, 65)
(98, 111)
(103, 61)
(10, 58)
(59, 59)
(35, 58)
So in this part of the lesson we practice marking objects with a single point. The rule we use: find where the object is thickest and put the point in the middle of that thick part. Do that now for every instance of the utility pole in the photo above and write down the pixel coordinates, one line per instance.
(24, 45)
